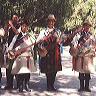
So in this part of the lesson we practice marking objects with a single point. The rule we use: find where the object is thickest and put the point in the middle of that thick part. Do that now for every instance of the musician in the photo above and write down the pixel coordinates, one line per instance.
(83, 52)
(51, 62)
(23, 63)
(14, 29)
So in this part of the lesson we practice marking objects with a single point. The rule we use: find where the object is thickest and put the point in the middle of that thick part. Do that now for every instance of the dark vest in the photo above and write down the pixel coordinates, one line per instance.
(12, 34)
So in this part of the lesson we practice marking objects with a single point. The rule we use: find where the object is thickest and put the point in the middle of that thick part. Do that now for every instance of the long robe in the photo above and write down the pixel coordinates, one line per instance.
(24, 62)
(52, 61)
(84, 56)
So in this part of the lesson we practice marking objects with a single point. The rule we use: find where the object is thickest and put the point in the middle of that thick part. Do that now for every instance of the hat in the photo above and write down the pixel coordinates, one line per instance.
(87, 22)
(51, 16)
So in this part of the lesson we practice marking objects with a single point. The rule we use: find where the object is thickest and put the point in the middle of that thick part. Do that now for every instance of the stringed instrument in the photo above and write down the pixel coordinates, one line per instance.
(12, 53)
(43, 51)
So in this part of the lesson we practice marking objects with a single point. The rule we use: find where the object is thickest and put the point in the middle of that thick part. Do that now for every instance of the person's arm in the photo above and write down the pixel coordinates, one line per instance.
(13, 28)
(6, 28)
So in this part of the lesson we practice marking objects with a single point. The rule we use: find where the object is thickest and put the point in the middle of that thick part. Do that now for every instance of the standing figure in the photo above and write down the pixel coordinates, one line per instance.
(14, 29)
(23, 63)
(1, 52)
(51, 62)
(83, 52)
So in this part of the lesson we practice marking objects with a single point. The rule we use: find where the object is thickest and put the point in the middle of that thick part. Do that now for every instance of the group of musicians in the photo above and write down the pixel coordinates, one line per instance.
(20, 61)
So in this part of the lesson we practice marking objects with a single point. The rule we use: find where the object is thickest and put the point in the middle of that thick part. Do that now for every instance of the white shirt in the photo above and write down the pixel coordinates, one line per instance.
(44, 33)
(14, 40)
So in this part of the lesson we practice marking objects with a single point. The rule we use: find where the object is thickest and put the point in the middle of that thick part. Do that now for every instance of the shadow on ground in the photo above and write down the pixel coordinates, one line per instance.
(67, 85)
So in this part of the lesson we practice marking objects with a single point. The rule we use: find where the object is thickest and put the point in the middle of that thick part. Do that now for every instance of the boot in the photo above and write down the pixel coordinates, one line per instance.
(20, 86)
(81, 86)
(87, 86)
(52, 84)
(27, 86)
(48, 78)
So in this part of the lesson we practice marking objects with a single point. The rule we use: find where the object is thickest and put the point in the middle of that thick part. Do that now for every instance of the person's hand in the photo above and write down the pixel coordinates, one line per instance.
(11, 53)
(80, 29)
(10, 22)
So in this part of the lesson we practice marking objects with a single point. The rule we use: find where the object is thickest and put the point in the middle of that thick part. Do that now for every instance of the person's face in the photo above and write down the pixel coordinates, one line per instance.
(24, 28)
(15, 18)
(87, 27)
(51, 23)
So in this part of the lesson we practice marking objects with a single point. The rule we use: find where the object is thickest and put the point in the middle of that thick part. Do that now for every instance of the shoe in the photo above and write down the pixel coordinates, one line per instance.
(48, 89)
(20, 88)
(87, 89)
(53, 89)
(80, 89)
(27, 88)
(8, 87)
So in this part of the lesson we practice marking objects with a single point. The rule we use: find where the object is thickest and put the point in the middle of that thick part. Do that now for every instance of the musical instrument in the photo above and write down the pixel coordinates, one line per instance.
(19, 51)
(43, 51)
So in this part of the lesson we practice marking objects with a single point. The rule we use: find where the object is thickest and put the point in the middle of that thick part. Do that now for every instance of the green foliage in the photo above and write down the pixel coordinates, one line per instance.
(69, 13)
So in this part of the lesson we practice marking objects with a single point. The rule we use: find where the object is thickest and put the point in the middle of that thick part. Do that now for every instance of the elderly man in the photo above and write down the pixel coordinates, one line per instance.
(83, 52)
(51, 62)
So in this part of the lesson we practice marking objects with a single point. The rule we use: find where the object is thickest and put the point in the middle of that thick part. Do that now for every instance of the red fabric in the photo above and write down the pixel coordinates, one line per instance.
(28, 61)
(56, 57)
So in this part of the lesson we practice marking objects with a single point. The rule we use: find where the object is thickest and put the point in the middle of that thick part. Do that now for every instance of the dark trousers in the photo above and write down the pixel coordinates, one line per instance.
(0, 75)
(9, 78)
(84, 77)
(50, 79)
(24, 77)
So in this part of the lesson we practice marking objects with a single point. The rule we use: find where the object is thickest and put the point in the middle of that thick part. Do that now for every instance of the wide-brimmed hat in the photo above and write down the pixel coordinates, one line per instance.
(52, 17)
(87, 22)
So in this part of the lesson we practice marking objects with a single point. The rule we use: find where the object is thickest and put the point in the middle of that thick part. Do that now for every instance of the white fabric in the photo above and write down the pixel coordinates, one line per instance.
(12, 43)
(88, 56)
(44, 33)
(14, 40)
(20, 63)
(2, 32)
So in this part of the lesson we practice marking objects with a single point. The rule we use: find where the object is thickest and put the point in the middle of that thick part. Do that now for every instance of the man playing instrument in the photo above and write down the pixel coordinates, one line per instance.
(23, 63)
(49, 50)
(14, 29)
(83, 52)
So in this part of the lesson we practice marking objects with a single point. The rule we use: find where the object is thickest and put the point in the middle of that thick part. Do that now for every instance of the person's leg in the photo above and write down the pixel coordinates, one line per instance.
(9, 78)
(20, 82)
(27, 78)
(87, 78)
(81, 78)
(0, 77)
(48, 78)
(17, 80)
(53, 75)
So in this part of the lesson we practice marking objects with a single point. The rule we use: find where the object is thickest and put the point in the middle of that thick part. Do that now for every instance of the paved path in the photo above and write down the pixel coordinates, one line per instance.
(66, 82)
